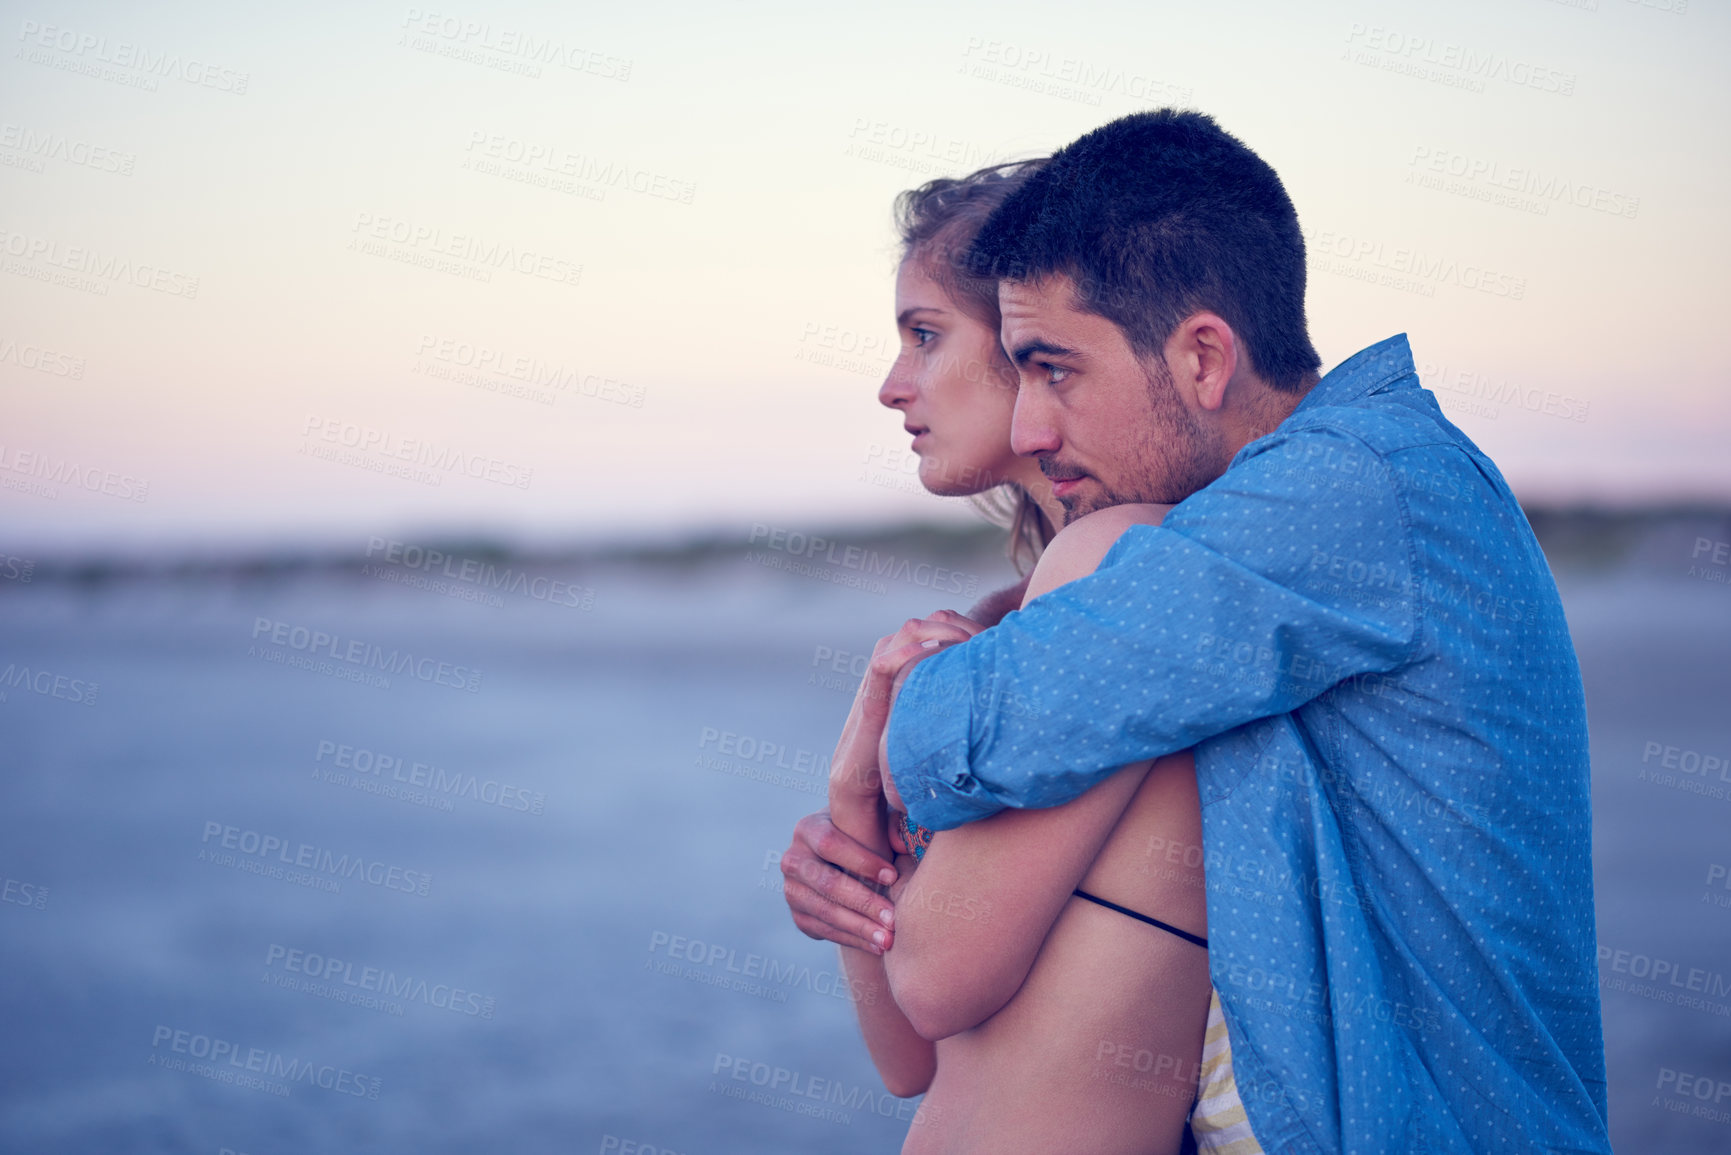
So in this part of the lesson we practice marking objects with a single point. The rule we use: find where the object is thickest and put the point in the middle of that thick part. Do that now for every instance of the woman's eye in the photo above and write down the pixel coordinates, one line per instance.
(923, 336)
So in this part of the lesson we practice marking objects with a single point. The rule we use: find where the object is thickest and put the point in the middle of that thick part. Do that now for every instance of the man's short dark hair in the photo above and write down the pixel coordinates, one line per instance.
(1156, 216)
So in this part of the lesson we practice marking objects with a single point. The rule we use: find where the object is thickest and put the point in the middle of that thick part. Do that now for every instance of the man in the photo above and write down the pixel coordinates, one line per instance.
(1346, 615)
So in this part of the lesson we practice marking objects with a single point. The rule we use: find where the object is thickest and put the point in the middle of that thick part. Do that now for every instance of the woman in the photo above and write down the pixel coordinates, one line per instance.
(1047, 985)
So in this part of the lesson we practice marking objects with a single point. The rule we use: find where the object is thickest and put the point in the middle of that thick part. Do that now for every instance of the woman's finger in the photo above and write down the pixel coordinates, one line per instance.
(960, 621)
(816, 834)
(817, 917)
(837, 887)
(922, 630)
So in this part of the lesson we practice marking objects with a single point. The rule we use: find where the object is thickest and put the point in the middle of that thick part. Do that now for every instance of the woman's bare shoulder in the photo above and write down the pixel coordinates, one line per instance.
(1082, 544)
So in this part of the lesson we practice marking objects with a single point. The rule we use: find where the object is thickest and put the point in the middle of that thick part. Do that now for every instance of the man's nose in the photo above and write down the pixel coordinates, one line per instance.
(1032, 431)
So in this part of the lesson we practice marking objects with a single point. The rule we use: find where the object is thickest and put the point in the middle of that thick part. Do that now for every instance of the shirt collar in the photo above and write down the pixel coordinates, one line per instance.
(1370, 370)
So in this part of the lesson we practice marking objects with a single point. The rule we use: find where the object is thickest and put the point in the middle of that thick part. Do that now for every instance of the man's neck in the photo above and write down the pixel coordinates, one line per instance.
(1263, 412)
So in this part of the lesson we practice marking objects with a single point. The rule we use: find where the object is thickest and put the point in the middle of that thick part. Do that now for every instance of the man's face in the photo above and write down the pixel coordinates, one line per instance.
(1107, 426)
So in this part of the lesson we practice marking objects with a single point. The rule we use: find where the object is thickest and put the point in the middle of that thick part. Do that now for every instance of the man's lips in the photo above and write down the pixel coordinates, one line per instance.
(1064, 480)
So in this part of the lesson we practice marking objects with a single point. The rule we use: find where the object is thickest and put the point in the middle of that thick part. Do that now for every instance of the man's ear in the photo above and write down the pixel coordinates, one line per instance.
(1202, 354)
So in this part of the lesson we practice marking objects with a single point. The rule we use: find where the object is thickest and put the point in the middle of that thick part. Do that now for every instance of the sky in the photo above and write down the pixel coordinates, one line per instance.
(316, 273)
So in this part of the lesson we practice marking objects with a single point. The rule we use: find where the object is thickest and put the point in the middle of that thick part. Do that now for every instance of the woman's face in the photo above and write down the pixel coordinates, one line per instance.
(955, 388)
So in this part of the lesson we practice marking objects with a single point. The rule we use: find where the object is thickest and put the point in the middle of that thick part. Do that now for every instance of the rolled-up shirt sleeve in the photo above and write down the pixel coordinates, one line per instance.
(1292, 572)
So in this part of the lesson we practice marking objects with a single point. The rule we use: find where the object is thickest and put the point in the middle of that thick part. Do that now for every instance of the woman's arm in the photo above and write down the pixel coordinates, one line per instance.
(904, 1060)
(971, 921)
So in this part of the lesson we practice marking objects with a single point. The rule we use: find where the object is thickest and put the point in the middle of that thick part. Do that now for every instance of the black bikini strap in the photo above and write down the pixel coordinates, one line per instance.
(1167, 927)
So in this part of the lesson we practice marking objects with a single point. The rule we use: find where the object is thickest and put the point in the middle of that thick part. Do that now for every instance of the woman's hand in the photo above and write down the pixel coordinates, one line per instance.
(854, 769)
(826, 903)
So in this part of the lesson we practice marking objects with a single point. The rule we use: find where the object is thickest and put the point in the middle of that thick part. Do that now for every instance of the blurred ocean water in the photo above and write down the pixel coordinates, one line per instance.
(524, 898)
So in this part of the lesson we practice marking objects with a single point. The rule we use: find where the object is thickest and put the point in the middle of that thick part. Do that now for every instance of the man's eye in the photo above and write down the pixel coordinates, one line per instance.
(1055, 374)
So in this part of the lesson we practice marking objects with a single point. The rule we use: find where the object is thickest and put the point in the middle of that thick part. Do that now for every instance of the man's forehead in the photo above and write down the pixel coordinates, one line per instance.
(1049, 294)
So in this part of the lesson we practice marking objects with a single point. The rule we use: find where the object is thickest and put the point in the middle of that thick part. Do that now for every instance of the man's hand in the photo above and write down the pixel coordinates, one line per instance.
(825, 902)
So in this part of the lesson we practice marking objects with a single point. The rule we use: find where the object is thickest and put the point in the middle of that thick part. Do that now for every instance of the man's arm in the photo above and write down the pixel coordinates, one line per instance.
(1257, 594)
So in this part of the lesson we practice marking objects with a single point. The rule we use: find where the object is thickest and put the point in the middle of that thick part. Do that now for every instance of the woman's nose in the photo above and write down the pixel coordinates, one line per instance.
(899, 387)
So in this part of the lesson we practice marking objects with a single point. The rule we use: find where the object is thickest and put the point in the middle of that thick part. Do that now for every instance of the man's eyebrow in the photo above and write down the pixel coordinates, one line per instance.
(1021, 353)
(907, 315)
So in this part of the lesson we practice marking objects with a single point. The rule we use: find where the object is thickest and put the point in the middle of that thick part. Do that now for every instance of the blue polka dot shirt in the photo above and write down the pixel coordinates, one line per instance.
(1356, 630)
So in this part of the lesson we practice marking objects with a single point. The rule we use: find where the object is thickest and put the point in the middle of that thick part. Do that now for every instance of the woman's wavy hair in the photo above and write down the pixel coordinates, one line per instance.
(938, 223)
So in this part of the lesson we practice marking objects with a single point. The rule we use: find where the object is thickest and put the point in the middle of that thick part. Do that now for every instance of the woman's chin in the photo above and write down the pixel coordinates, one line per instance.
(940, 485)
